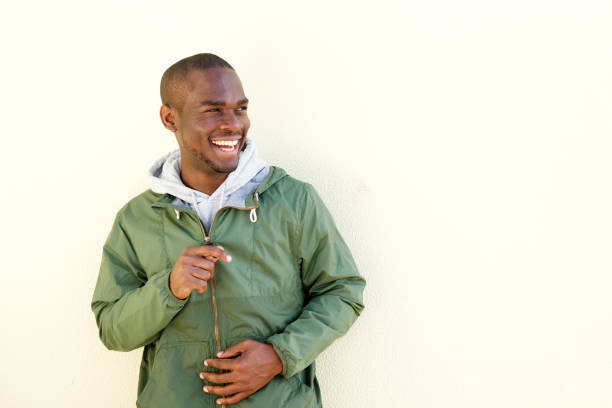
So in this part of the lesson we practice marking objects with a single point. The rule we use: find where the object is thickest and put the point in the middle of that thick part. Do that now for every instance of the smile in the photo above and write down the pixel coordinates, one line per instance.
(225, 145)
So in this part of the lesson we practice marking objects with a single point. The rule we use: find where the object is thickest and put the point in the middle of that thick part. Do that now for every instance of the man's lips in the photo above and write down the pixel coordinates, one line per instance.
(227, 145)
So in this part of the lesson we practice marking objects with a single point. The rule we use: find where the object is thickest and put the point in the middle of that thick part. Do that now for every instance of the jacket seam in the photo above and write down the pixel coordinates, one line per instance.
(182, 343)
(300, 229)
(162, 239)
(128, 239)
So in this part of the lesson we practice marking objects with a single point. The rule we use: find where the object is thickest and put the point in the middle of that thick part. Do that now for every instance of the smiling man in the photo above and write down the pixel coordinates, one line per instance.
(228, 271)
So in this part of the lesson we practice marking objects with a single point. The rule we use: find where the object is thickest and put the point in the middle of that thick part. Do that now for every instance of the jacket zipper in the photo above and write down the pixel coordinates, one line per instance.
(212, 290)
(211, 282)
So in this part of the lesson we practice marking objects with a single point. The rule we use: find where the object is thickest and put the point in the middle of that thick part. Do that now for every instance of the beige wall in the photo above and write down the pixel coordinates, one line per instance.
(463, 148)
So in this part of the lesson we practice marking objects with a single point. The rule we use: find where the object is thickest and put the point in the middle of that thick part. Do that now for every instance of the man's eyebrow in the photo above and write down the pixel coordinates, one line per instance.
(219, 103)
(212, 103)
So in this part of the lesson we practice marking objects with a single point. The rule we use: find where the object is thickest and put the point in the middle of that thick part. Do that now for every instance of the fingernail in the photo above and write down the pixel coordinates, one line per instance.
(220, 354)
(220, 246)
(206, 363)
(205, 389)
(229, 258)
(218, 402)
(202, 377)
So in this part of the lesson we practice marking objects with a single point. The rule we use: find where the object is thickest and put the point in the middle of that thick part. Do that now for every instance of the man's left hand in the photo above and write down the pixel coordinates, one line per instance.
(251, 366)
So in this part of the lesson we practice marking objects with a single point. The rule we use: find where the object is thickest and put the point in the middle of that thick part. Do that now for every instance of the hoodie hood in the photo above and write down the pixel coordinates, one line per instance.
(165, 178)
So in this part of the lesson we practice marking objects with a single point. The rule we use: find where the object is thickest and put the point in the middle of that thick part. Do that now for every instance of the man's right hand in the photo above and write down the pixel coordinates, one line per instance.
(193, 268)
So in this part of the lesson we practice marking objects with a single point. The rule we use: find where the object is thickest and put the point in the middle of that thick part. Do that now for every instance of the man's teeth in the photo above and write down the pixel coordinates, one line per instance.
(230, 143)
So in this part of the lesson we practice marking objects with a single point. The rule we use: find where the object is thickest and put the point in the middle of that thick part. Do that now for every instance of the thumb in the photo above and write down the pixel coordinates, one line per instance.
(233, 351)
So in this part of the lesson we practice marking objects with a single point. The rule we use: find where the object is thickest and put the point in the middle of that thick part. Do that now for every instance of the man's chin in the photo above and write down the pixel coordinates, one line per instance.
(225, 169)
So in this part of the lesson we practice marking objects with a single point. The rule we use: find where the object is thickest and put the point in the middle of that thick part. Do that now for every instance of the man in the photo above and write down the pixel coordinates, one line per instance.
(229, 272)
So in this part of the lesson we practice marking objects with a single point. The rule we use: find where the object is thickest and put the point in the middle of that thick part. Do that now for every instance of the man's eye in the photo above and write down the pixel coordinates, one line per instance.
(212, 110)
(241, 109)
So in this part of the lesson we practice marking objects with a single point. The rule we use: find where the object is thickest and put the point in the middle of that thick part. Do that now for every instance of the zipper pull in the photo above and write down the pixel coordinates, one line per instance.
(178, 214)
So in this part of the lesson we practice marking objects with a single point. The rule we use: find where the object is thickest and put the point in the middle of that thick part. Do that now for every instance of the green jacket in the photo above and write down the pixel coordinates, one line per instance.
(292, 283)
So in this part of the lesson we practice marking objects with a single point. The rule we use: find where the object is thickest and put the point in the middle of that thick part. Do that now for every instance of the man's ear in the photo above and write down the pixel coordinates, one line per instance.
(169, 118)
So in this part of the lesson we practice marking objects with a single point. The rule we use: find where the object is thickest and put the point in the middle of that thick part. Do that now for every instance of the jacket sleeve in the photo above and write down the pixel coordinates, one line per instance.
(130, 309)
(334, 289)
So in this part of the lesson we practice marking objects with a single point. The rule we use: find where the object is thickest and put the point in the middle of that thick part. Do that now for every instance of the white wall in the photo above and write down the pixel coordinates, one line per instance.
(463, 147)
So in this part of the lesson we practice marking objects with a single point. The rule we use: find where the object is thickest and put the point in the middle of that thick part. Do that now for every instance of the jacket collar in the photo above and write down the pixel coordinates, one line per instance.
(275, 174)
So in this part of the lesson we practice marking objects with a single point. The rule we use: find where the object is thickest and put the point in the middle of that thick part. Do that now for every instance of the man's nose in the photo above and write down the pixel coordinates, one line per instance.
(229, 122)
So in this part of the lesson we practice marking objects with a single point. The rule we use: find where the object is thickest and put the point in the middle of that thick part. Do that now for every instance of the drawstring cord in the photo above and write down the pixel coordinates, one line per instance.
(253, 214)
(196, 207)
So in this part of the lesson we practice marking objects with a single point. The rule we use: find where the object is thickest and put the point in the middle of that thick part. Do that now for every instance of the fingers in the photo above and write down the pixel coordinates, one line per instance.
(201, 273)
(209, 251)
(218, 378)
(202, 263)
(222, 364)
(193, 268)
(222, 389)
(200, 267)
(243, 375)
(194, 283)
(234, 350)
(234, 399)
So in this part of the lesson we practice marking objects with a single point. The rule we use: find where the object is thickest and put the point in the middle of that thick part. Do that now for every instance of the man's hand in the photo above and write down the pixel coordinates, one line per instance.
(193, 268)
(257, 363)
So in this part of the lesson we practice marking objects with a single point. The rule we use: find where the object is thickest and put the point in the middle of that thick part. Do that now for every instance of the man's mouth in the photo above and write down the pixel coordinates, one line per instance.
(227, 146)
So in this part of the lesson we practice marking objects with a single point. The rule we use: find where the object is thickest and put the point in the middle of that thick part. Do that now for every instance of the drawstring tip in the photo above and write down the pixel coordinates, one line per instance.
(253, 215)
(178, 214)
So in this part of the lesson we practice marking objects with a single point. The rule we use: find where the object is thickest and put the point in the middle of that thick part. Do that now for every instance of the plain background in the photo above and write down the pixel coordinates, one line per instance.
(463, 148)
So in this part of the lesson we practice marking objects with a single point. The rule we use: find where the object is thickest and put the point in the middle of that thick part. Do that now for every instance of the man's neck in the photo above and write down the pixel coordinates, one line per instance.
(206, 183)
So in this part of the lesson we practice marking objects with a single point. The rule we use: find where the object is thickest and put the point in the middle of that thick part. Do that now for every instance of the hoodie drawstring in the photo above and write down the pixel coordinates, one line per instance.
(195, 205)
(253, 214)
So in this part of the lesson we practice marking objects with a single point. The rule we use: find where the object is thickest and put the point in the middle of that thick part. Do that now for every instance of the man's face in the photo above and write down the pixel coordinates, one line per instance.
(212, 126)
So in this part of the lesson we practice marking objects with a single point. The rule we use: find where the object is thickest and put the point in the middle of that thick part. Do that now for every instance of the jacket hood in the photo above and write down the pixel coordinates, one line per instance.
(165, 178)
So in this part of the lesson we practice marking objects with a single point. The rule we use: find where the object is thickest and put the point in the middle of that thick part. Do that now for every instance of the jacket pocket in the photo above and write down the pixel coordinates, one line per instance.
(175, 380)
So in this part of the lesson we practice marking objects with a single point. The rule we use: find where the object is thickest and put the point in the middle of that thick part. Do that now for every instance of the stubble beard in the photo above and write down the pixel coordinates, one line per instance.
(206, 164)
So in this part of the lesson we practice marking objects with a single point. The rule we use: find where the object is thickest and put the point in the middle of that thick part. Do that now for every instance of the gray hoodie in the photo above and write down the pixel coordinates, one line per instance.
(165, 178)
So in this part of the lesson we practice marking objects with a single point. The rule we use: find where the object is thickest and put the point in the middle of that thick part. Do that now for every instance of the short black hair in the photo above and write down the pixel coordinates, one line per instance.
(173, 82)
